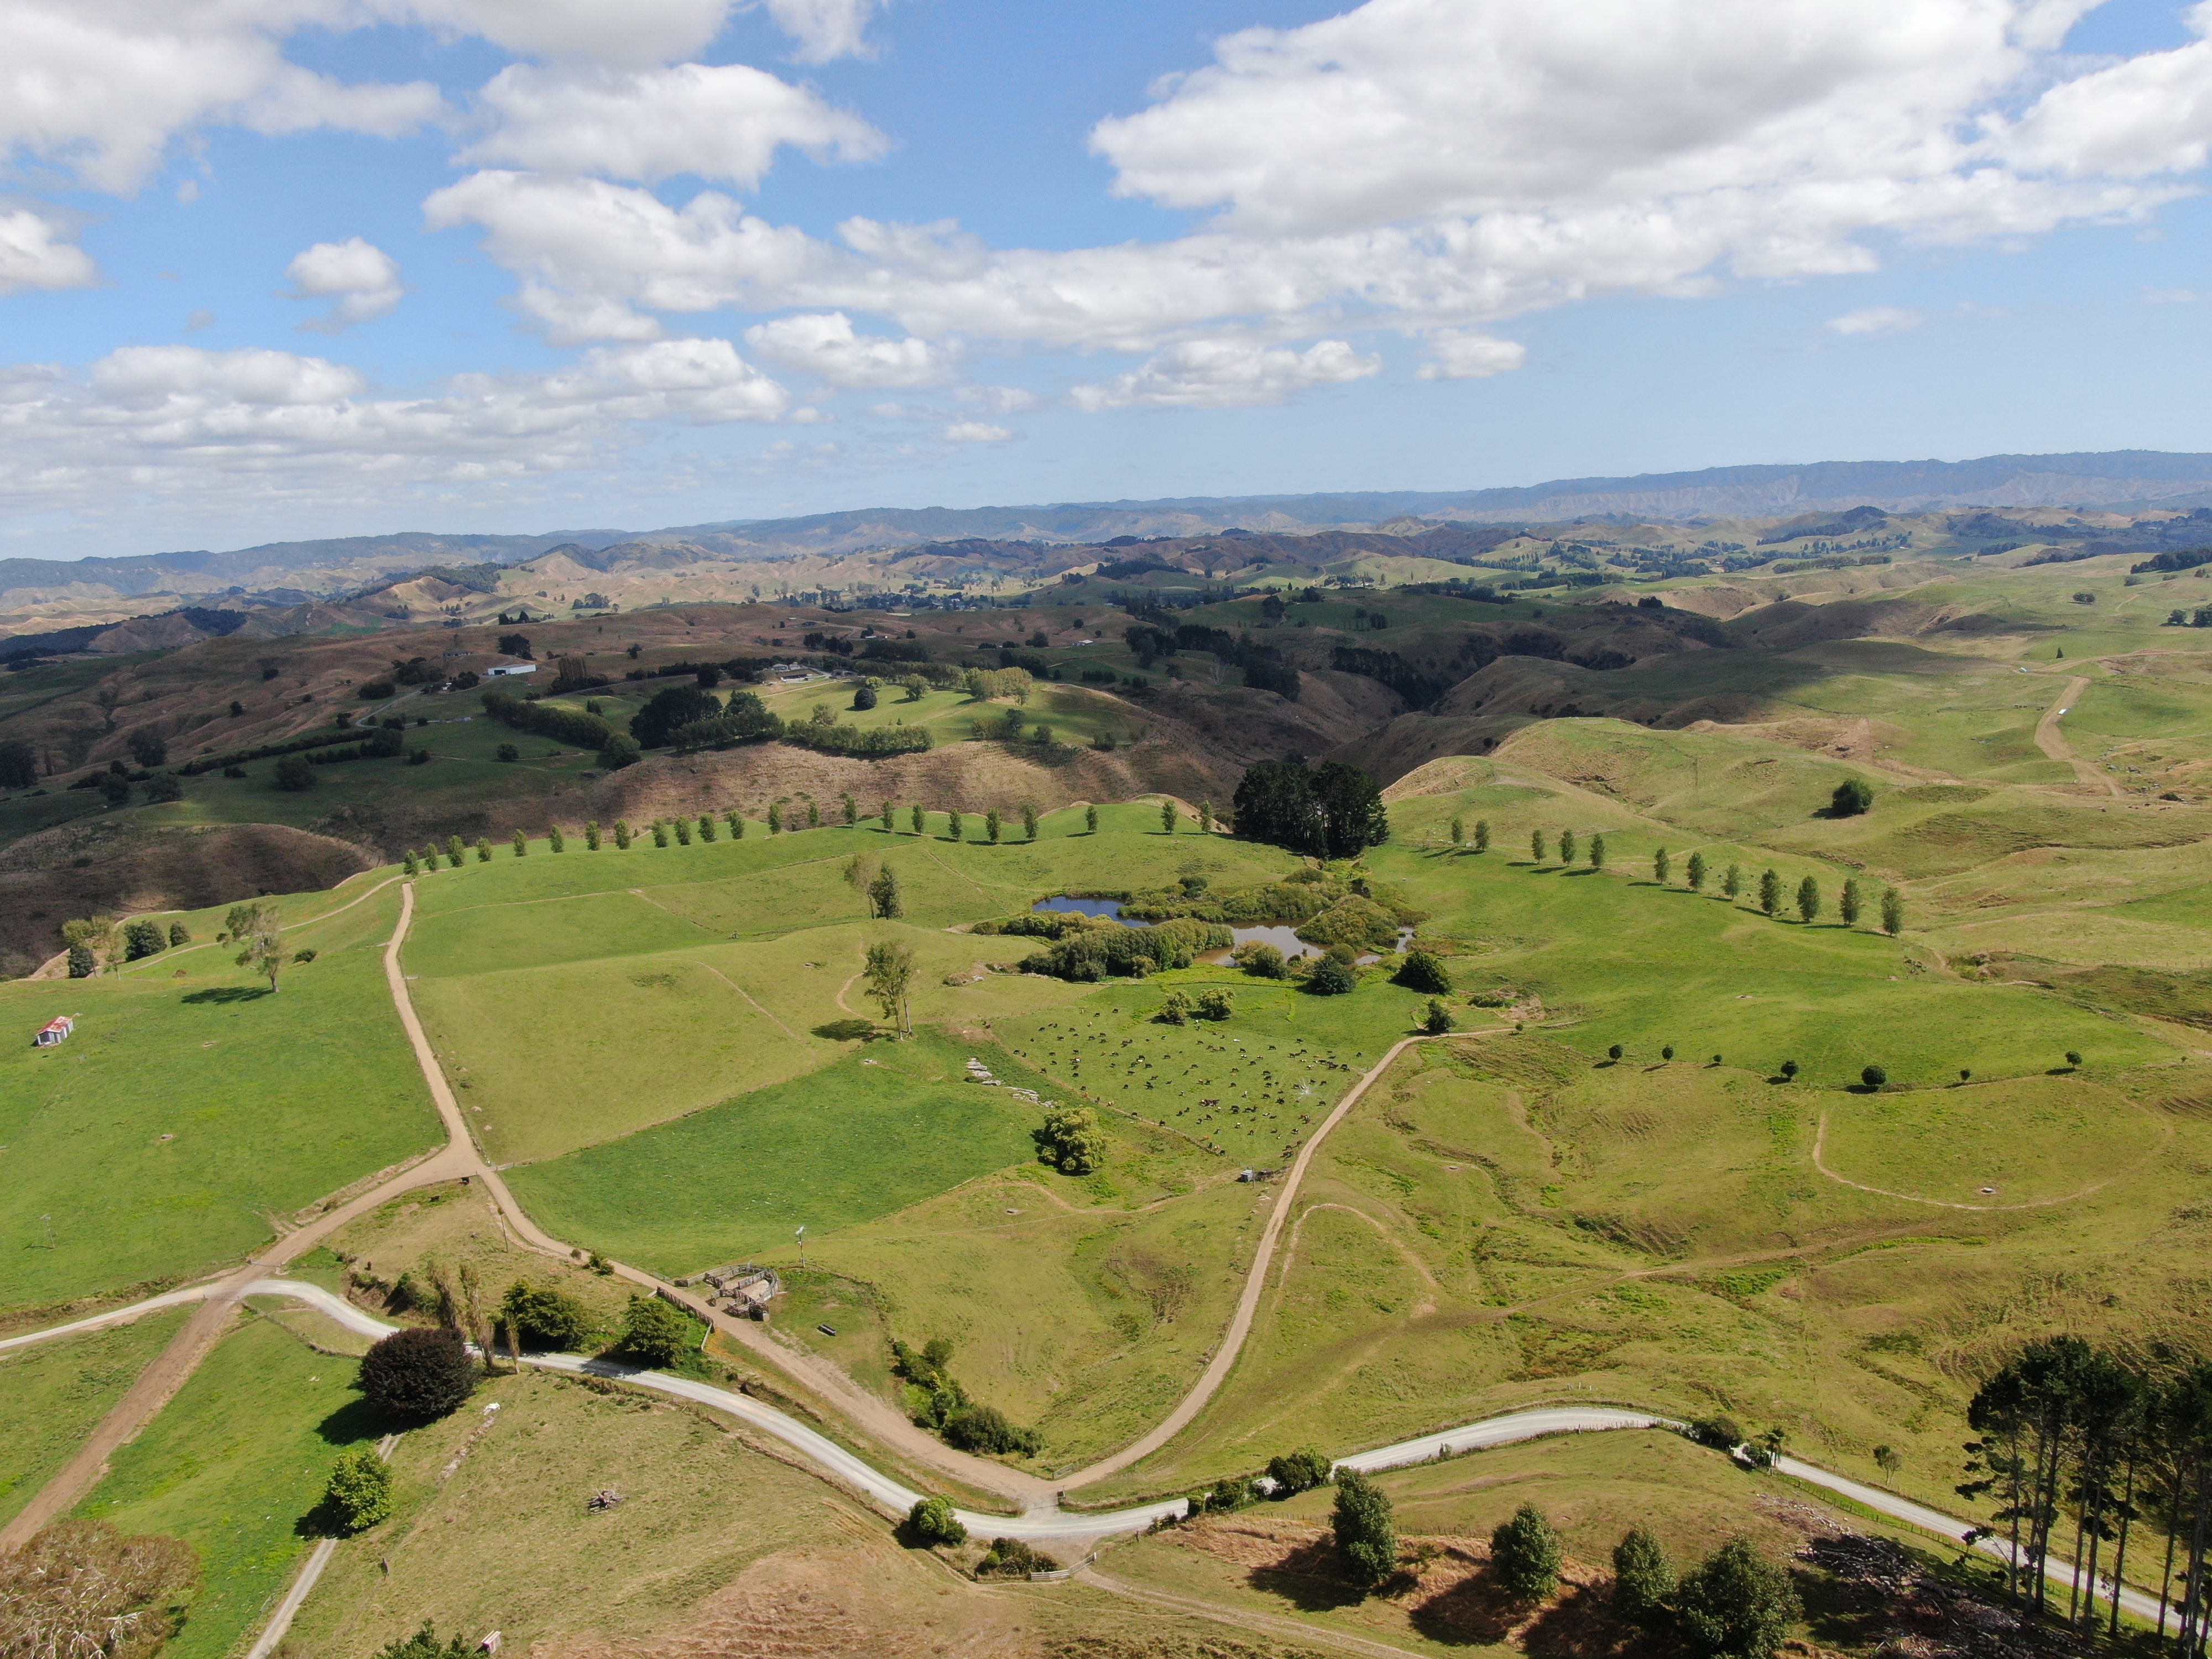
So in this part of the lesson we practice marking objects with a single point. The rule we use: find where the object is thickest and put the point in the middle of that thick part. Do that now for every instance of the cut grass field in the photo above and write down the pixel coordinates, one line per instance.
(51, 1393)
(189, 1108)
(233, 1466)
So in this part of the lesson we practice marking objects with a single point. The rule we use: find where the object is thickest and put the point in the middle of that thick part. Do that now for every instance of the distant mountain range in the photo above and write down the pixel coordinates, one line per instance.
(2114, 481)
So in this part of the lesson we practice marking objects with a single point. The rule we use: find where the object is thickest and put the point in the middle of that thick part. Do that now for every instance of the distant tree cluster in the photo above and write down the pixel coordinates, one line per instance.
(1332, 811)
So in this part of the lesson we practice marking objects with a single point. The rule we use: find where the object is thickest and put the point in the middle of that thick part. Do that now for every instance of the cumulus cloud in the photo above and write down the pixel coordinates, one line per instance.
(825, 345)
(823, 29)
(360, 277)
(1227, 373)
(1460, 354)
(32, 254)
(178, 423)
(1876, 319)
(721, 122)
(976, 432)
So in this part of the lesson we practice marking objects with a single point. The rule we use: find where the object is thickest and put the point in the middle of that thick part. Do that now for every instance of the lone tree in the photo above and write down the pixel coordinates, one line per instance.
(889, 973)
(419, 1374)
(545, 1318)
(1738, 1605)
(1892, 912)
(1847, 902)
(1331, 978)
(865, 697)
(1873, 1076)
(1808, 901)
(1789, 1069)
(1770, 893)
(257, 930)
(1090, 820)
(1437, 1020)
(931, 1523)
(1423, 972)
(1663, 867)
(1851, 798)
(359, 1493)
(1643, 1580)
(884, 896)
(1167, 817)
(1070, 1140)
(655, 1333)
(1366, 1535)
(1526, 1553)
(1695, 872)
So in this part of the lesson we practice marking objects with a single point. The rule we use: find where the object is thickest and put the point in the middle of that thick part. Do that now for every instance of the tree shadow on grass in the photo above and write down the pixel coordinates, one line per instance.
(847, 1030)
(1307, 1579)
(1473, 1612)
(352, 1423)
(229, 994)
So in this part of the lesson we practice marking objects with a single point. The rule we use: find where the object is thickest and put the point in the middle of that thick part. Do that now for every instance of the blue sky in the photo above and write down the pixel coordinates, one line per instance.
(287, 268)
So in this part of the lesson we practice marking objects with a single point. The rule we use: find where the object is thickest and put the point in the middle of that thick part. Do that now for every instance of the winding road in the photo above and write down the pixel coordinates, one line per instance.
(1041, 1519)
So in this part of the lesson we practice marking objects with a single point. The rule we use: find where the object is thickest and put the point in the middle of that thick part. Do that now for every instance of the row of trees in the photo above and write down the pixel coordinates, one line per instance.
(1331, 810)
(2083, 1448)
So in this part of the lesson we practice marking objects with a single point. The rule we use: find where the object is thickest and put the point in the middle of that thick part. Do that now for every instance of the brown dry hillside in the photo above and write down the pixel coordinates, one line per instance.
(112, 867)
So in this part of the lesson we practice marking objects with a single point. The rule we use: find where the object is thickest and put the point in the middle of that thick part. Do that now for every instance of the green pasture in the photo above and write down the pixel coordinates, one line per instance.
(234, 1466)
(861, 1137)
(2021, 1142)
(191, 1108)
(52, 1395)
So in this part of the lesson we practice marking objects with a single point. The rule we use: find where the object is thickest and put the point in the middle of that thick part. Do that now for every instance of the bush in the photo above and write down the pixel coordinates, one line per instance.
(1010, 1557)
(423, 1644)
(1526, 1553)
(1852, 796)
(1331, 978)
(987, 1428)
(1260, 960)
(1738, 1605)
(508, 751)
(164, 787)
(1215, 1004)
(1070, 1140)
(543, 1317)
(377, 690)
(295, 772)
(865, 697)
(1437, 1020)
(1873, 1076)
(1422, 971)
(1366, 1534)
(656, 1333)
(931, 1523)
(359, 1493)
(143, 938)
(1298, 1471)
(1721, 1433)
(418, 1375)
(1090, 956)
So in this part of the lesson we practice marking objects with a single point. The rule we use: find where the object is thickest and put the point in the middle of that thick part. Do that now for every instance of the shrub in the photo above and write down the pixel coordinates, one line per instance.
(987, 1428)
(418, 1375)
(1331, 978)
(1010, 1557)
(1852, 796)
(618, 751)
(1366, 1534)
(508, 751)
(1423, 972)
(865, 697)
(296, 772)
(143, 938)
(1215, 1004)
(1873, 1076)
(1175, 1011)
(1298, 1471)
(423, 1644)
(359, 1492)
(1526, 1554)
(1721, 1433)
(376, 691)
(1070, 1140)
(1437, 1020)
(543, 1317)
(1738, 1604)
(931, 1523)
(1260, 960)
(180, 934)
(655, 1333)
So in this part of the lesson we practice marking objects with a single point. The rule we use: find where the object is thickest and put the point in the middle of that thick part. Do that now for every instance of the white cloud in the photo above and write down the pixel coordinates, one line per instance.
(360, 277)
(721, 122)
(1227, 375)
(1000, 399)
(823, 29)
(825, 345)
(1876, 319)
(32, 255)
(976, 432)
(631, 33)
(1459, 355)
(179, 424)
(2174, 296)
(2148, 115)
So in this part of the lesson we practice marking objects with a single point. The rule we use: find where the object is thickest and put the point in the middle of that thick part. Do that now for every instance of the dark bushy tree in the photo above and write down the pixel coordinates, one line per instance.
(1423, 972)
(1366, 1533)
(1643, 1580)
(19, 764)
(1738, 1605)
(1852, 796)
(1525, 1551)
(671, 710)
(1331, 978)
(987, 1428)
(654, 1332)
(543, 1317)
(1298, 1471)
(931, 1523)
(418, 1375)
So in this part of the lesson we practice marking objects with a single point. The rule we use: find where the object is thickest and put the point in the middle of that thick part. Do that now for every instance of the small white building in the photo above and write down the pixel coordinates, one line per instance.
(508, 670)
(55, 1030)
